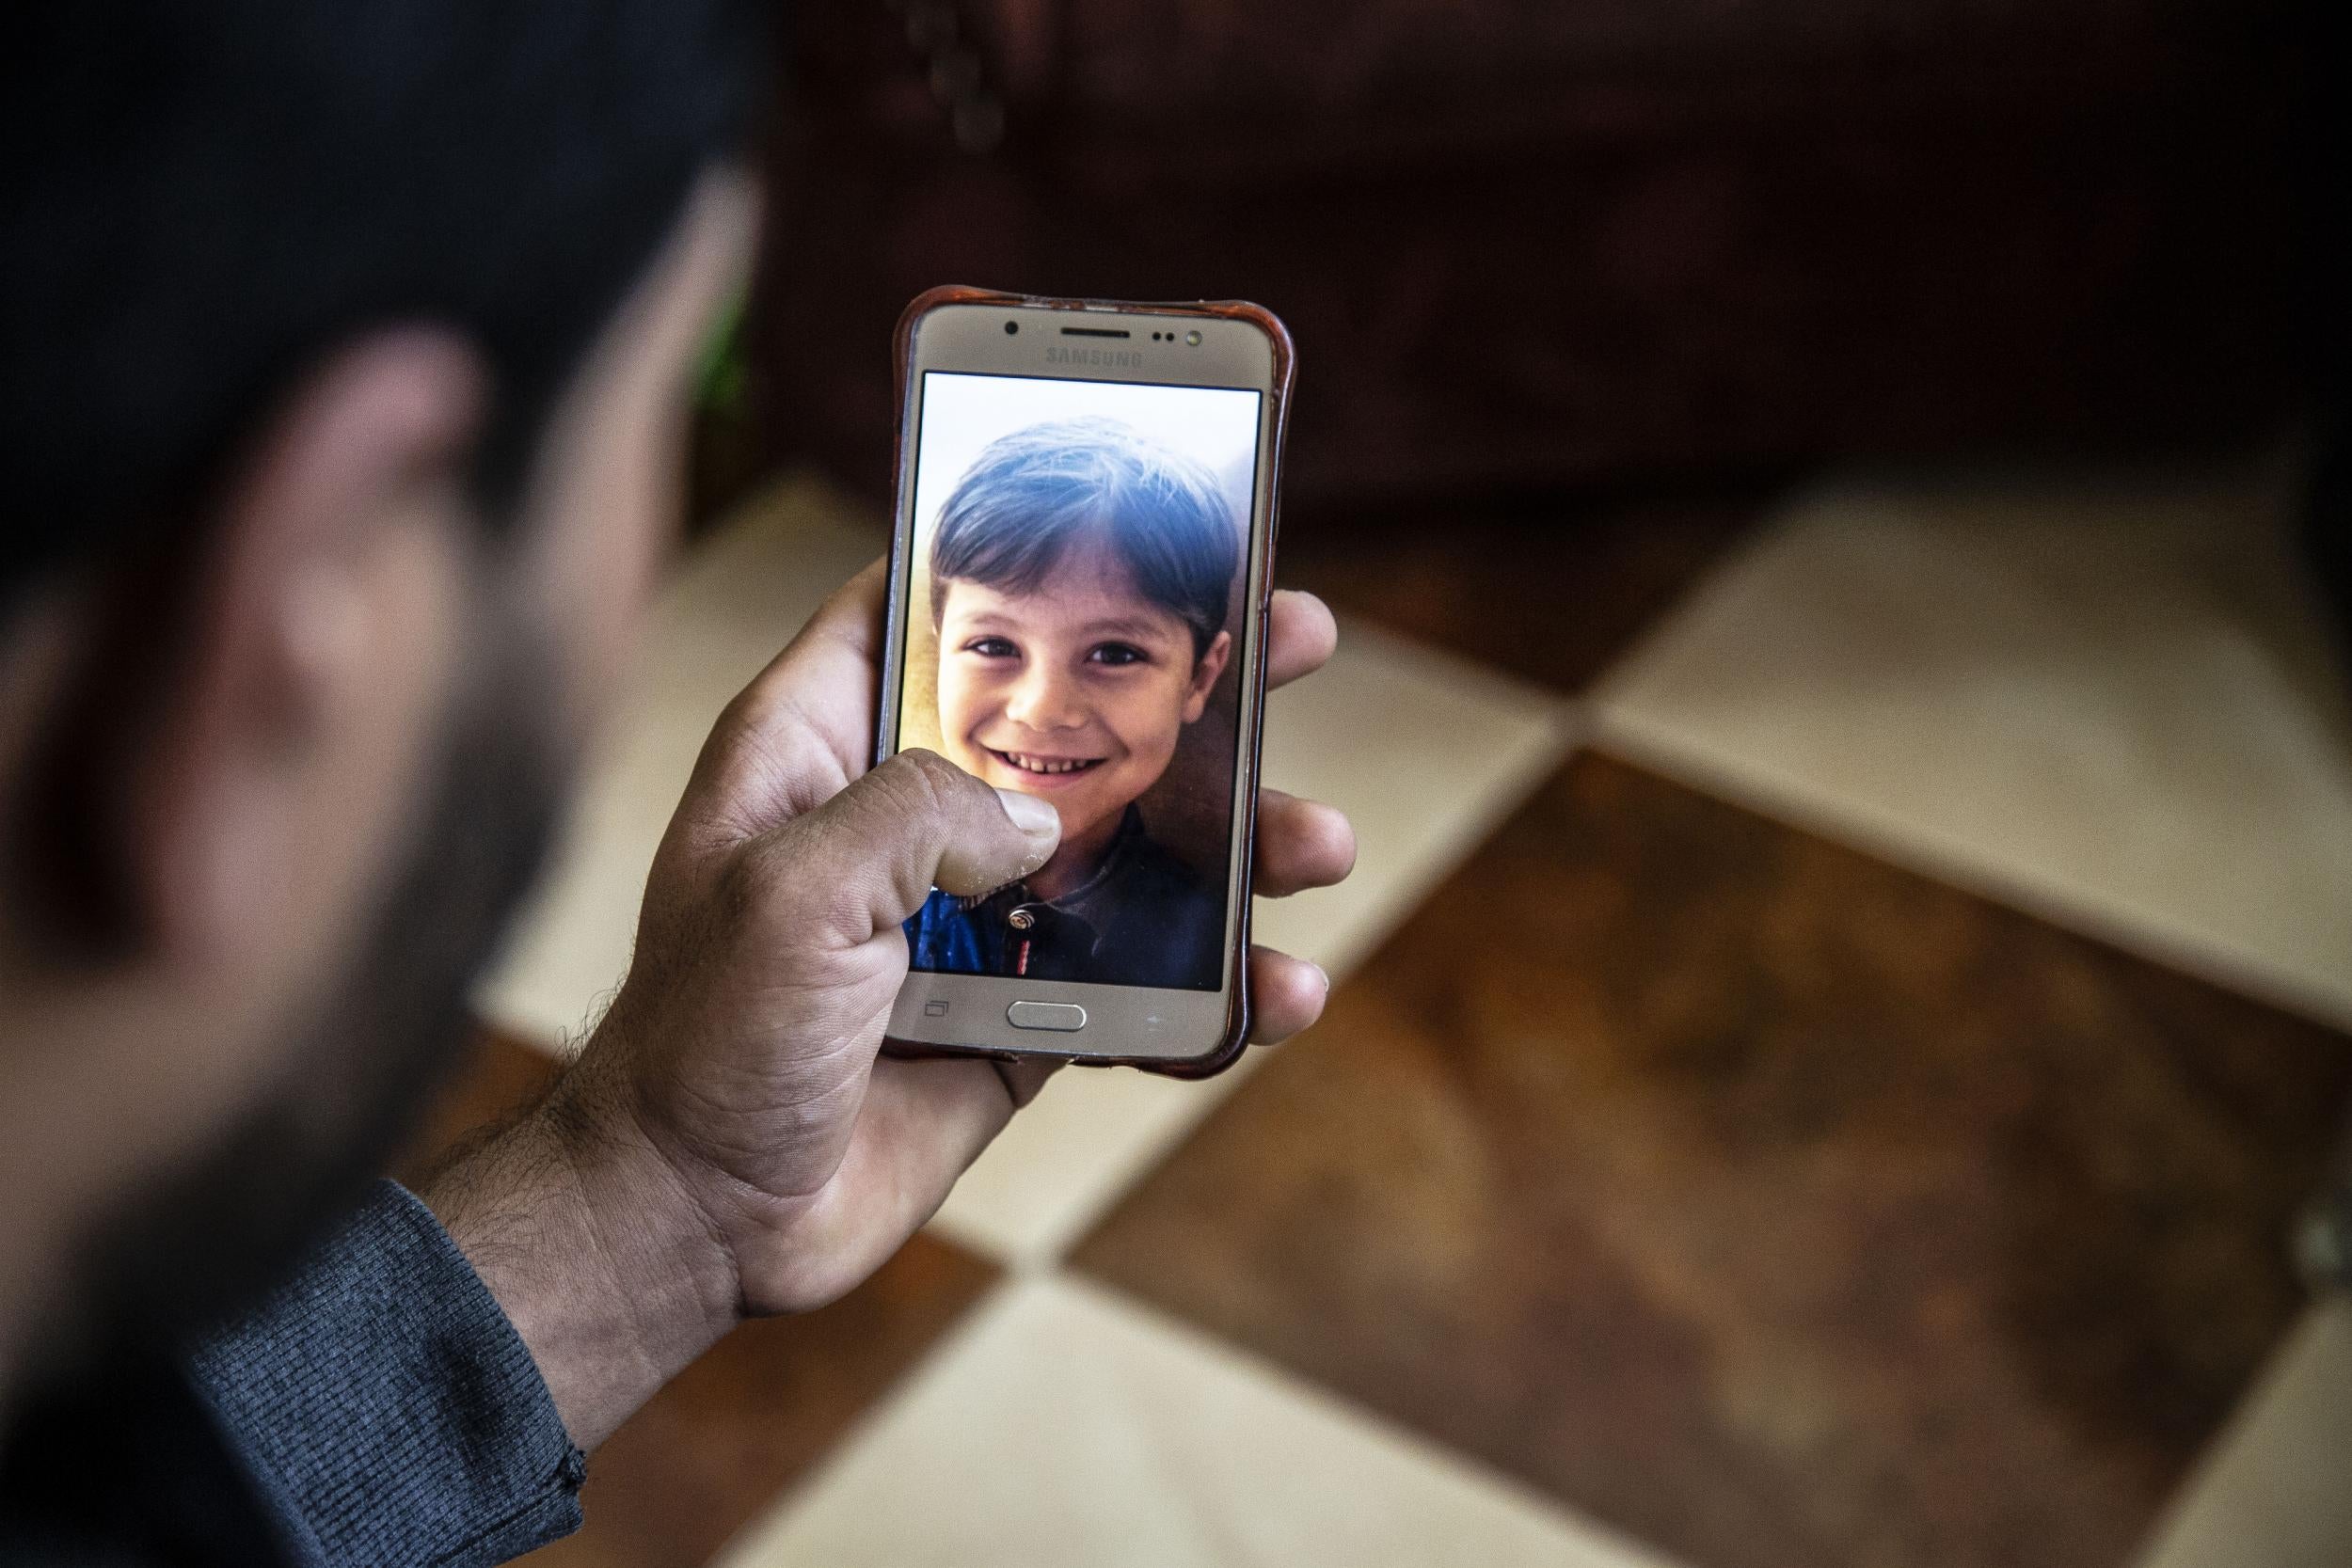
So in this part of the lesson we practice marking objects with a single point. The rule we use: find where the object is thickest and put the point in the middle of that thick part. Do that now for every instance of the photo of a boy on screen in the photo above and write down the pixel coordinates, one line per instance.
(1080, 579)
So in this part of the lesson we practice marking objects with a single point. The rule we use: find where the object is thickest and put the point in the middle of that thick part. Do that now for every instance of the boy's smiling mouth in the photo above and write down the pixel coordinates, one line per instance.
(1044, 767)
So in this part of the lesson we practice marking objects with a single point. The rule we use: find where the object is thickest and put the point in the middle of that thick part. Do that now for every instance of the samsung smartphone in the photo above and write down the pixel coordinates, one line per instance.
(1079, 581)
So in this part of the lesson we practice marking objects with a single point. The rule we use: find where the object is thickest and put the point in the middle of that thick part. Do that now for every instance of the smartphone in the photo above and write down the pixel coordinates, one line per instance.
(1079, 578)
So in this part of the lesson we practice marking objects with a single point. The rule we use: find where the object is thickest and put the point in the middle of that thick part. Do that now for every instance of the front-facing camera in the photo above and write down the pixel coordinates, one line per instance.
(1012, 327)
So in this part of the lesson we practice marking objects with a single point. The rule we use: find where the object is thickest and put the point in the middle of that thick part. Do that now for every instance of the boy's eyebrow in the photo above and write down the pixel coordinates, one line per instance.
(1128, 625)
(1131, 625)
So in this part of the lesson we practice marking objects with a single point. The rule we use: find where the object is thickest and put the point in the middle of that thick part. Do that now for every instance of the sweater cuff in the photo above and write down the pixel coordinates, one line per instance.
(384, 1404)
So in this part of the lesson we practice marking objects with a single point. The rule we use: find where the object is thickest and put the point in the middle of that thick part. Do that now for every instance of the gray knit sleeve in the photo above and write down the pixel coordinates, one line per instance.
(387, 1408)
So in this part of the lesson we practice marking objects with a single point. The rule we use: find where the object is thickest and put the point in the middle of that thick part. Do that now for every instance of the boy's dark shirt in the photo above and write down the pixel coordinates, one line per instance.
(1143, 919)
(377, 1409)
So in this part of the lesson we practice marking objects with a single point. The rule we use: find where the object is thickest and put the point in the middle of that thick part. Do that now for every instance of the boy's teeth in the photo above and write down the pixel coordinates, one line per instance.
(1043, 765)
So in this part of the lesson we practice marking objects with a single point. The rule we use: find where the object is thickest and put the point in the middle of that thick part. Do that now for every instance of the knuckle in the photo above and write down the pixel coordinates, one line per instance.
(746, 888)
(801, 883)
(934, 786)
(906, 779)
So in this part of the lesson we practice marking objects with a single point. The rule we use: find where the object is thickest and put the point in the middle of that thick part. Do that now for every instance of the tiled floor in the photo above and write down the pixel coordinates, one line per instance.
(2101, 695)
(1549, 591)
(2272, 1494)
(1771, 1204)
(1849, 1113)
(1135, 1440)
(674, 1484)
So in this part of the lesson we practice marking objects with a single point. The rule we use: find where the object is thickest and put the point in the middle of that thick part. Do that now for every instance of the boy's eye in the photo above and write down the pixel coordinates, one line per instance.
(992, 647)
(1118, 653)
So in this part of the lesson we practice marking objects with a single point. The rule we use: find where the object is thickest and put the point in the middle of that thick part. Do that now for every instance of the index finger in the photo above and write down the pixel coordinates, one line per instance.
(1300, 636)
(803, 727)
(835, 652)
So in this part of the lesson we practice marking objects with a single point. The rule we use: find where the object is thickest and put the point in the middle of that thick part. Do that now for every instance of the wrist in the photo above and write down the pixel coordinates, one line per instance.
(648, 1225)
(599, 1255)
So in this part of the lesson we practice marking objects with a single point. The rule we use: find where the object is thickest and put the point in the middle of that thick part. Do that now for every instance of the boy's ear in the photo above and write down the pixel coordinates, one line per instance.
(1204, 673)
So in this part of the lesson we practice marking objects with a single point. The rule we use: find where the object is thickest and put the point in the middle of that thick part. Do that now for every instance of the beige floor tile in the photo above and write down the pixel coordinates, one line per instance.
(2276, 1491)
(1063, 1426)
(2101, 696)
(1426, 752)
(734, 603)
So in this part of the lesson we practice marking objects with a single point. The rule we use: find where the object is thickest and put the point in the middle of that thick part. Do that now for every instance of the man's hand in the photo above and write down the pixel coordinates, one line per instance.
(730, 1143)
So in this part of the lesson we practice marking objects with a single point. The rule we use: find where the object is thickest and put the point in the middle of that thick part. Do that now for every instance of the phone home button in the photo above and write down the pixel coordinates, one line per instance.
(1062, 1015)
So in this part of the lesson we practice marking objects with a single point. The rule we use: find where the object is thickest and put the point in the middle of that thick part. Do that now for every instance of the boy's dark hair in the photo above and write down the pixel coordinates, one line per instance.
(1033, 494)
(199, 199)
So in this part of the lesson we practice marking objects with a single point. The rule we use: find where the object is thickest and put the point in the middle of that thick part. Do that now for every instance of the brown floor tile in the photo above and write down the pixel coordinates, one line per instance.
(1779, 1207)
(714, 1449)
(1551, 588)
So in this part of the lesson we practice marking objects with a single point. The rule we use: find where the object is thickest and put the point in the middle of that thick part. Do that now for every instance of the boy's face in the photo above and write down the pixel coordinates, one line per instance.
(1075, 693)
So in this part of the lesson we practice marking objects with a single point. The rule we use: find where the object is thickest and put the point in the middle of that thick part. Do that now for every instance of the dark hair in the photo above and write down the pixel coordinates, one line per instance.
(1031, 495)
(201, 199)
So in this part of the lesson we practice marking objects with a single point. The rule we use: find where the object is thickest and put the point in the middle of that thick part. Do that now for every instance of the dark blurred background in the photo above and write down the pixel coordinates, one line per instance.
(1528, 245)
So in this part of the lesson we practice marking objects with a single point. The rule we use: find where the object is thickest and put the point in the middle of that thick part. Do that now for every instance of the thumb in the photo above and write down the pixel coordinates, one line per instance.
(915, 822)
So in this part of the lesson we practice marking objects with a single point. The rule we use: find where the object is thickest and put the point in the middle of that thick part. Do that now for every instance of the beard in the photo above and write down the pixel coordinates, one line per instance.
(208, 1238)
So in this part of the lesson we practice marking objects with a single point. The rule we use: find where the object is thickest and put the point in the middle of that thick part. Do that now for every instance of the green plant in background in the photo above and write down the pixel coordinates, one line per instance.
(723, 380)
(730, 455)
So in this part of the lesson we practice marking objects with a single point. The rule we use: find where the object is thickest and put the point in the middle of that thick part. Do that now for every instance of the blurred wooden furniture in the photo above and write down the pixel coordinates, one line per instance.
(1524, 242)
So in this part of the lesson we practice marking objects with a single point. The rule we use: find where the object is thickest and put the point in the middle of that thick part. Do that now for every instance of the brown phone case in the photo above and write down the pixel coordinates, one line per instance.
(1236, 1036)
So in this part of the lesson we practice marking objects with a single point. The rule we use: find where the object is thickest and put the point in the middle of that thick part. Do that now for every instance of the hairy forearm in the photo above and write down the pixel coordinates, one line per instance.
(603, 1263)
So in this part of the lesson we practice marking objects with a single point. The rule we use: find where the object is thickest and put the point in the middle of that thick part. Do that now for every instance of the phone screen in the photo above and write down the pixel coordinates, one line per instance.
(1074, 630)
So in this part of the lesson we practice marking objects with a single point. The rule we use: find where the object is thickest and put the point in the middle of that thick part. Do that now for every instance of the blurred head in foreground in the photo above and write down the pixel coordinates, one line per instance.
(344, 357)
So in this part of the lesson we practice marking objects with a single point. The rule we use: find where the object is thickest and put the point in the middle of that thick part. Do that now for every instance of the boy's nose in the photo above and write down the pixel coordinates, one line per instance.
(1043, 701)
